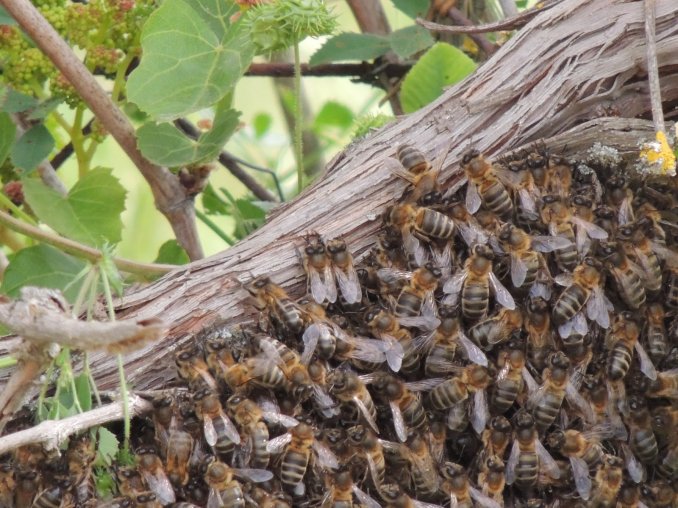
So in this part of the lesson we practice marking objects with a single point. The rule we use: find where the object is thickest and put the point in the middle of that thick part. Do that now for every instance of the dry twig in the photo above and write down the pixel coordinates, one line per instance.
(653, 67)
(169, 195)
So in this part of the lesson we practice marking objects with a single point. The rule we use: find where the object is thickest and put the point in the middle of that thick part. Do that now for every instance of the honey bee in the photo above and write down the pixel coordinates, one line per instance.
(413, 167)
(344, 271)
(496, 329)
(270, 297)
(287, 360)
(585, 452)
(441, 345)
(366, 443)
(319, 273)
(538, 327)
(130, 482)
(484, 187)
(225, 490)
(119, 502)
(583, 288)
(524, 251)
(659, 494)
(641, 435)
(208, 408)
(27, 483)
(643, 253)
(7, 482)
(456, 486)
(413, 220)
(416, 297)
(509, 382)
(151, 469)
(80, 456)
(619, 196)
(625, 274)
(654, 332)
(147, 500)
(423, 468)
(348, 387)
(466, 224)
(52, 496)
(473, 380)
(386, 326)
(341, 491)
(492, 479)
(296, 446)
(192, 367)
(607, 482)
(473, 285)
(621, 340)
(528, 456)
(496, 437)
(394, 497)
(324, 403)
(552, 175)
(180, 446)
(406, 407)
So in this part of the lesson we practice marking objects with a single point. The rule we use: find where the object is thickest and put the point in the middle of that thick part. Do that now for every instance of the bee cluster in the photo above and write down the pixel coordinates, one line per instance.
(508, 341)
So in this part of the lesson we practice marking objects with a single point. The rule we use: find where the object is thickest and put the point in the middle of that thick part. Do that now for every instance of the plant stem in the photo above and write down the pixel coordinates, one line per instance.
(5, 202)
(78, 142)
(217, 230)
(7, 361)
(298, 149)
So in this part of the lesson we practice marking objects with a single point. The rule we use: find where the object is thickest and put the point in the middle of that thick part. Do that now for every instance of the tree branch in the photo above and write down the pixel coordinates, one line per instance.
(229, 163)
(652, 67)
(169, 195)
(365, 71)
(480, 39)
(82, 251)
(51, 433)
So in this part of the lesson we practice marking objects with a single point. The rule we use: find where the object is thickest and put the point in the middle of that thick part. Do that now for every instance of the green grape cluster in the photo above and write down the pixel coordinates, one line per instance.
(61, 88)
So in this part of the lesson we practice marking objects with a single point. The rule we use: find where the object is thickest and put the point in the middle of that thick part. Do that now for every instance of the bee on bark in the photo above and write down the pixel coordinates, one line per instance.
(484, 186)
(344, 271)
(152, 470)
(625, 274)
(413, 167)
(318, 267)
(270, 297)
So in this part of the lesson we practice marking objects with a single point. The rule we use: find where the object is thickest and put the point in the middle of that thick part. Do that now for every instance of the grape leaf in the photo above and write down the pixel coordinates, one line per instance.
(42, 265)
(334, 114)
(261, 124)
(192, 56)
(83, 391)
(16, 102)
(89, 214)
(351, 46)
(172, 253)
(410, 40)
(413, 8)
(213, 203)
(107, 447)
(440, 66)
(7, 134)
(32, 148)
(166, 145)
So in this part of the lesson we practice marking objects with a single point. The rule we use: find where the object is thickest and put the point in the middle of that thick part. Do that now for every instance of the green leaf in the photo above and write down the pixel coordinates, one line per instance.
(249, 210)
(7, 135)
(104, 483)
(89, 214)
(6, 18)
(83, 391)
(42, 265)
(166, 145)
(16, 102)
(334, 114)
(261, 124)
(212, 202)
(108, 446)
(172, 253)
(413, 8)
(351, 46)
(410, 40)
(440, 66)
(44, 108)
(32, 148)
(192, 56)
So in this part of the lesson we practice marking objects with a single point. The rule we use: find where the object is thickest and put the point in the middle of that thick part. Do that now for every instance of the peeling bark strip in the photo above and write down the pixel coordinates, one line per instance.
(579, 60)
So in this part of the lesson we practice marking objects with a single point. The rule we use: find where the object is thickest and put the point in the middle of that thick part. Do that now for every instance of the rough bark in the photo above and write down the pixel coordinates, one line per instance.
(576, 62)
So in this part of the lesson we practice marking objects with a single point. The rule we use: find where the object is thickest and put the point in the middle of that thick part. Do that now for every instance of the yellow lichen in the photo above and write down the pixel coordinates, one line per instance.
(659, 156)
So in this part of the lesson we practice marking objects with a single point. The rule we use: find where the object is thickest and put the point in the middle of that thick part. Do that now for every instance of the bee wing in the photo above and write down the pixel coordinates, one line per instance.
(424, 342)
(330, 285)
(596, 308)
(539, 289)
(209, 431)
(440, 364)
(546, 461)
(544, 243)
(474, 353)
(393, 352)
(230, 430)
(397, 169)
(271, 352)
(633, 466)
(323, 400)
(374, 470)
(318, 289)
(482, 500)
(366, 414)
(646, 365)
(453, 287)
(161, 486)
(535, 397)
(214, 499)
(512, 462)
(502, 294)
(253, 475)
(473, 200)
(578, 402)
(480, 413)
(424, 384)
(365, 498)
(501, 375)
(454, 502)
(422, 322)
(278, 418)
(326, 458)
(349, 284)
(471, 232)
(518, 270)
(413, 246)
(420, 504)
(391, 275)
(443, 260)
(564, 279)
(626, 214)
(277, 444)
(592, 230)
(665, 253)
(398, 421)
(310, 339)
(528, 203)
(530, 383)
(582, 480)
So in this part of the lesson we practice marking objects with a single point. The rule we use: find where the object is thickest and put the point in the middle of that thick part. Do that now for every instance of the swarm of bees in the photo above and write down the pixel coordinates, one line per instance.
(509, 341)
